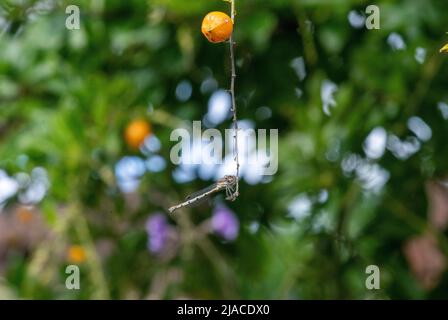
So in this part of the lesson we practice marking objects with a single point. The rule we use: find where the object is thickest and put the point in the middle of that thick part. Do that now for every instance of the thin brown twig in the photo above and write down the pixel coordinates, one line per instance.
(234, 193)
(232, 93)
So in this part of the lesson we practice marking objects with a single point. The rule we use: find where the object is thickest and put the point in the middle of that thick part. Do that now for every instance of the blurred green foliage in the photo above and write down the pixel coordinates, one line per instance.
(67, 95)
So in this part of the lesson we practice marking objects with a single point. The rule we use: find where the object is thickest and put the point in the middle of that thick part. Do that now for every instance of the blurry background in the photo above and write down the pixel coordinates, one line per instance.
(85, 174)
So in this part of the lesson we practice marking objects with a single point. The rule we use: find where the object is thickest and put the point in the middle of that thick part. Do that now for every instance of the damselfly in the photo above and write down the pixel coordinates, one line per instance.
(226, 183)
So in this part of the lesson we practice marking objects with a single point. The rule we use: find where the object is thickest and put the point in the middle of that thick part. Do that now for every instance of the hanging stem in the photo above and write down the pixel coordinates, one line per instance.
(233, 193)
(232, 93)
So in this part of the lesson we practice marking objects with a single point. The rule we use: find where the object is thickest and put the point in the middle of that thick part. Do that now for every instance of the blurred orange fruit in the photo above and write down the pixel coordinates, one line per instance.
(217, 26)
(24, 215)
(76, 254)
(136, 132)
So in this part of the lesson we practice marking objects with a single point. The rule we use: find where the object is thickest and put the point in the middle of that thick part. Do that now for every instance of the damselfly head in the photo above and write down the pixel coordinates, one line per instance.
(229, 179)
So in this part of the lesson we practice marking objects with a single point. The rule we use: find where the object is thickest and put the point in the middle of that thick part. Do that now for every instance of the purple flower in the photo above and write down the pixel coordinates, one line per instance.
(157, 229)
(225, 223)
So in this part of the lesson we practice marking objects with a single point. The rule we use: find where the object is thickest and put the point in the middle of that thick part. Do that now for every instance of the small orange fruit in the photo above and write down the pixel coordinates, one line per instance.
(136, 132)
(217, 26)
(24, 215)
(76, 254)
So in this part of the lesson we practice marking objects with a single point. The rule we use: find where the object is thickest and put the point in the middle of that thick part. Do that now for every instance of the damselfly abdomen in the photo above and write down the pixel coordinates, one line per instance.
(227, 183)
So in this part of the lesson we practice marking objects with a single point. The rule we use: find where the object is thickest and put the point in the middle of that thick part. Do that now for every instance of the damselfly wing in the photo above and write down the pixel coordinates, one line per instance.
(202, 195)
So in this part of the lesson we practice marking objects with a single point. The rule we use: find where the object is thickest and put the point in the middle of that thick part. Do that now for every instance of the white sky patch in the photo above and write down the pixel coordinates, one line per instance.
(322, 197)
(150, 108)
(155, 163)
(4, 24)
(184, 91)
(206, 122)
(420, 55)
(43, 7)
(371, 176)
(309, 26)
(254, 172)
(267, 179)
(300, 207)
(299, 92)
(334, 151)
(321, 221)
(245, 124)
(298, 65)
(229, 167)
(443, 107)
(34, 193)
(263, 113)
(31, 189)
(8, 186)
(152, 144)
(420, 128)
(327, 92)
(375, 144)
(184, 174)
(396, 41)
(403, 149)
(219, 106)
(129, 167)
(207, 171)
(357, 20)
(23, 179)
(209, 85)
(22, 160)
(253, 227)
(37, 188)
(128, 172)
(350, 163)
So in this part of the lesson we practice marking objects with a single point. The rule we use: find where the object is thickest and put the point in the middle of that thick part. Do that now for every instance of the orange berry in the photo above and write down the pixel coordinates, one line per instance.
(217, 26)
(136, 132)
(24, 215)
(76, 254)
